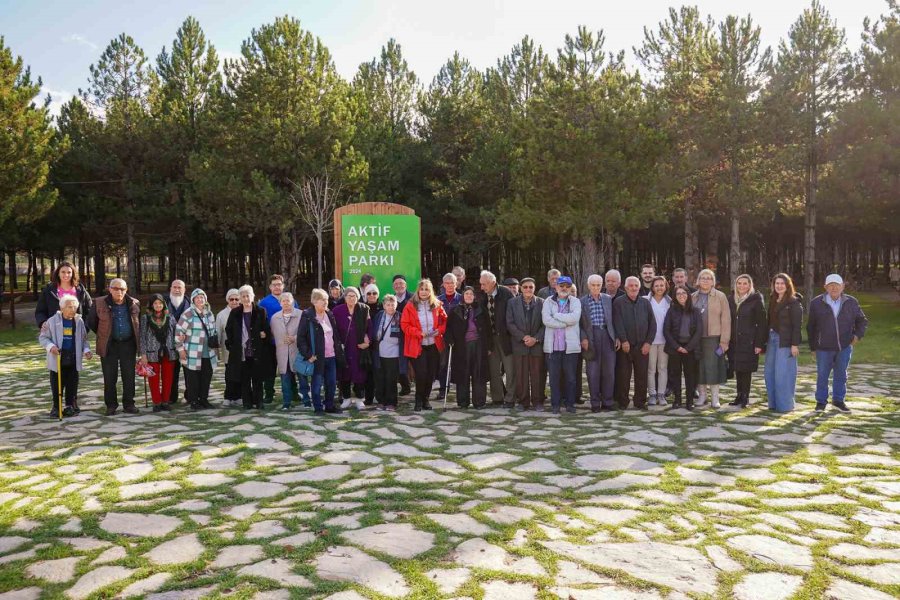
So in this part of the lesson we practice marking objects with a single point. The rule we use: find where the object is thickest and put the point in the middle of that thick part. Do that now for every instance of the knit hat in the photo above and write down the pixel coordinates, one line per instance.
(232, 292)
(351, 289)
(154, 298)
(335, 283)
(372, 288)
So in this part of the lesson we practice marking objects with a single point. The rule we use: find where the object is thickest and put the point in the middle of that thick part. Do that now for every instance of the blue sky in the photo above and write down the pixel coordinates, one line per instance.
(60, 39)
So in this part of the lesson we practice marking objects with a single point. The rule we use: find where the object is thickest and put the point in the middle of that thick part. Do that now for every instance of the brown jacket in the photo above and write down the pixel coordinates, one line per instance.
(719, 315)
(100, 320)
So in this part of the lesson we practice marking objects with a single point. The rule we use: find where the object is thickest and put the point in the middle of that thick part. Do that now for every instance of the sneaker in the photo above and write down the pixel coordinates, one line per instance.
(165, 407)
(132, 410)
(715, 404)
(285, 408)
(347, 403)
(736, 402)
(109, 412)
(334, 410)
(359, 404)
(157, 408)
(661, 400)
(651, 400)
(841, 407)
(556, 410)
(390, 408)
(821, 407)
(319, 411)
(571, 410)
(68, 411)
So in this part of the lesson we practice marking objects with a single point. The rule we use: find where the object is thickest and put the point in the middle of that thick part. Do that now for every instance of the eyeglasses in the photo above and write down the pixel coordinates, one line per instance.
(233, 299)
(371, 293)
(118, 289)
(527, 287)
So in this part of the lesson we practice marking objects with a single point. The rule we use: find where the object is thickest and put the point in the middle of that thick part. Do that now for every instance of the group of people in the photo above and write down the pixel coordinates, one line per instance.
(354, 347)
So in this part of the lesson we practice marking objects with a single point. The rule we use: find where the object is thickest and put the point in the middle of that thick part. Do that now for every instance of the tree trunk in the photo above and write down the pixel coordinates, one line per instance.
(690, 237)
(734, 256)
(809, 243)
(133, 275)
(99, 269)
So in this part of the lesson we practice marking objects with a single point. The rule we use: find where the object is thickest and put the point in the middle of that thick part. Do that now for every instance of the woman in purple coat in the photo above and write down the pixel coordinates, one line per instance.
(352, 319)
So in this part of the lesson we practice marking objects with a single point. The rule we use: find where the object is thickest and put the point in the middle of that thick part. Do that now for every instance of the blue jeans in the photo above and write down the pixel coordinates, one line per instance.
(329, 378)
(563, 385)
(826, 361)
(780, 375)
(289, 384)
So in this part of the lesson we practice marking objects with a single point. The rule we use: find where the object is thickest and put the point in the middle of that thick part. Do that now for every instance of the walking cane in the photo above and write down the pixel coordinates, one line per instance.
(447, 383)
(59, 384)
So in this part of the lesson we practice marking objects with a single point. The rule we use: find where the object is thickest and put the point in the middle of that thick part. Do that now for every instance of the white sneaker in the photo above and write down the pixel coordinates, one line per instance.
(701, 401)
(347, 403)
(715, 403)
(661, 400)
(360, 405)
(651, 400)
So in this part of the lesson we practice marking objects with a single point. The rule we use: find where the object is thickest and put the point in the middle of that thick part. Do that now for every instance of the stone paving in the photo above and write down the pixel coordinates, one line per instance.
(449, 504)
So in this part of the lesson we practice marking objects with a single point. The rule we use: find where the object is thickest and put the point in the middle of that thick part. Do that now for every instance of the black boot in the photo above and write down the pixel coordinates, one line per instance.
(676, 402)
(405, 388)
(744, 401)
(418, 405)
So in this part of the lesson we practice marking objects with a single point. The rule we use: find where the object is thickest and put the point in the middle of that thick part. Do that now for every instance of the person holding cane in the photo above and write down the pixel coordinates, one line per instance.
(64, 337)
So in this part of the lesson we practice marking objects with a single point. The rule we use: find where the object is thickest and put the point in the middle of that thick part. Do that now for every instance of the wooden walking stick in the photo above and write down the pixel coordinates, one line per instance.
(59, 389)
(447, 383)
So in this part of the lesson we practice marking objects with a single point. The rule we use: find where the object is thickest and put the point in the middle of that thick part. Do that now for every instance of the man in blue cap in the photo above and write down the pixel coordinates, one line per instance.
(561, 314)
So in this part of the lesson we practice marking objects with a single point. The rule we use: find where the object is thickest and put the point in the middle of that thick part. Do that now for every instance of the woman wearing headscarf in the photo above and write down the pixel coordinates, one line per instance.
(157, 349)
(749, 331)
(469, 332)
(371, 294)
(193, 335)
(335, 293)
(352, 319)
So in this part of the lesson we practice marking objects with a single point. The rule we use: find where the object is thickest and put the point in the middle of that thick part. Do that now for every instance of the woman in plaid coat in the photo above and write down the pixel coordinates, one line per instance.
(192, 336)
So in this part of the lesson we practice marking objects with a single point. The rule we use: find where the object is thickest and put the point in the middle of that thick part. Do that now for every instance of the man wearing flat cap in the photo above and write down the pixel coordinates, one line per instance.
(836, 323)
(512, 284)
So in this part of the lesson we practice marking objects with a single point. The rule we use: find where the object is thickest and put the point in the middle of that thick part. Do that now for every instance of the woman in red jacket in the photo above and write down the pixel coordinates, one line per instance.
(423, 323)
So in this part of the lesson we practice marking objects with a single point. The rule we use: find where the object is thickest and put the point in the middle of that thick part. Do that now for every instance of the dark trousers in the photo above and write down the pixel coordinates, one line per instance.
(639, 363)
(232, 385)
(530, 380)
(562, 368)
(173, 388)
(251, 384)
(327, 379)
(742, 379)
(387, 375)
(369, 388)
(426, 367)
(601, 372)
(69, 384)
(269, 384)
(196, 383)
(471, 385)
(120, 356)
(689, 365)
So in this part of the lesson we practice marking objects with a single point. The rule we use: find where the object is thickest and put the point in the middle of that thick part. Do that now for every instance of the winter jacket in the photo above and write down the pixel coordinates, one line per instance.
(221, 320)
(672, 328)
(100, 320)
(149, 345)
(260, 338)
(749, 330)
(457, 325)
(827, 332)
(283, 325)
(555, 320)
(633, 320)
(177, 311)
(48, 303)
(519, 324)
(412, 329)
(51, 336)
(305, 345)
(719, 317)
(788, 319)
(191, 336)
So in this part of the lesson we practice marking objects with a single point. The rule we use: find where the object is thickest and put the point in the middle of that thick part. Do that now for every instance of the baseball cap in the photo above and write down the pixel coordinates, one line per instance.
(564, 279)
(834, 278)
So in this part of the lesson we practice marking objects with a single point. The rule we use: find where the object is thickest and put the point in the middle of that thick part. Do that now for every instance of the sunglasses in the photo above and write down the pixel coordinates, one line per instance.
(118, 289)
(371, 293)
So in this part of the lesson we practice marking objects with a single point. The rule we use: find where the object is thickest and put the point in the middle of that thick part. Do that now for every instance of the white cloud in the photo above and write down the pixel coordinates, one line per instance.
(81, 40)
(57, 99)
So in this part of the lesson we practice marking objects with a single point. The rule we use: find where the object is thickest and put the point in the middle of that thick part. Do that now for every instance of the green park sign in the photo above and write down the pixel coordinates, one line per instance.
(383, 245)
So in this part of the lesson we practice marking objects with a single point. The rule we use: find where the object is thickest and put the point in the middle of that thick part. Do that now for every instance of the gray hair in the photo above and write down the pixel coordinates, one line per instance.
(318, 294)
(352, 290)
(118, 282)
(232, 292)
(615, 273)
(553, 272)
(462, 272)
(287, 295)
(635, 279)
(595, 279)
(709, 272)
(450, 277)
(67, 300)
(246, 289)
(489, 275)
(388, 298)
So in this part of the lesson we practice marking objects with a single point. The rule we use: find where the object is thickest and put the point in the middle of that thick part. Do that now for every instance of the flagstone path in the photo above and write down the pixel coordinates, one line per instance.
(485, 504)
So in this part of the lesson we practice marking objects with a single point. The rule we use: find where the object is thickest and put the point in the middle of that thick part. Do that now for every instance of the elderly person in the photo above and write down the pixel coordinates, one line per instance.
(525, 323)
(749, 331)
(232, 384)
(371, 295)
(716, 337)
(284, 331)
(658, 369)
(495, 299)
(64, 282)
(424, 323)
(176, 303)
(335, 293)
(549, 289)
(635, 326)
(198, 349)
(115, 319)
(680, 278)
(272, 306)
(512, 284)
(449, 297)
(561, 315)
(783, 347)
(468, 332)
(682, 329)
(599, 344)
(319, 343)
(460, 275)
(157, 349)
(836, 323)
(613, 284)
(387, 344)
(249, 338)
(64, 337)
(401, 292)
(352, 318)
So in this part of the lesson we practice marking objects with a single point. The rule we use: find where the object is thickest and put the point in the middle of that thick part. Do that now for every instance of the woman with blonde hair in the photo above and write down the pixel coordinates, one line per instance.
(424, 323)
(785, 317)
(749, 331)
(714, 341)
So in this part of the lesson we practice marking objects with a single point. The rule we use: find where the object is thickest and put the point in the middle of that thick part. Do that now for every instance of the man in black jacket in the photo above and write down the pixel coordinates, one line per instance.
(635, 328)
(494, 299)
(836, 323)
(176, 302)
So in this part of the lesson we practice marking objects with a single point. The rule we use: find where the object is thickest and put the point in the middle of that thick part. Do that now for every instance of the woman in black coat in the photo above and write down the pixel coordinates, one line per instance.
(250, 350)
(63, 282)
(326, 358)
(749, 331)
(683, 329)
(469, 333)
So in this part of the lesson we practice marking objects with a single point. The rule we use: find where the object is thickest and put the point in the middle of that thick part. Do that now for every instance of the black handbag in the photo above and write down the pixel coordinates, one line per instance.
(212, 339)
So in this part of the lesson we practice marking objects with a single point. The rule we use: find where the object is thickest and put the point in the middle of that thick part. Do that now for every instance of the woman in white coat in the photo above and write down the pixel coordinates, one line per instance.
(64, 337)
(284, 332)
